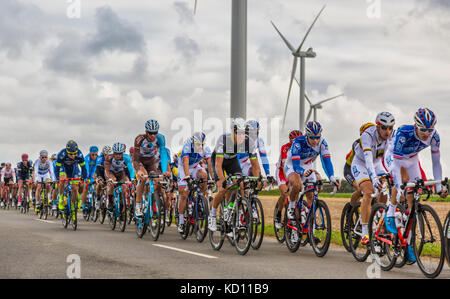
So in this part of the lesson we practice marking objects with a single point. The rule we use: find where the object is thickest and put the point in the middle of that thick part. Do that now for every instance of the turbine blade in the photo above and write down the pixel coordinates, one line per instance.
(309, 114)
(195, 7)
(294, 69)
(309, 30)
(284, 39)
(306, 96)
(321, 102)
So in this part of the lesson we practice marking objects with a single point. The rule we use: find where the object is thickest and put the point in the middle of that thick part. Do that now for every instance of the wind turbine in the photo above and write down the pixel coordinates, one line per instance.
(195, 7)
(298, 53)
(313, 107)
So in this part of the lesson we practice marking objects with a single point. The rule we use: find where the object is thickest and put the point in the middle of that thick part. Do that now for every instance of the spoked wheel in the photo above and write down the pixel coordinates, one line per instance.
(155, 217)
(186, 225)
(345, 226)
(319, 231)
(292, 232)
(428, 241)
(384, 253)
(103, 208)
(360, 252)
(242, 228)
(279, 232)
(257, 214)
(218, 237)
(65, 218)
(130, 211)
(447, 237)
(162, 214)
(201, 223)
(122, 218)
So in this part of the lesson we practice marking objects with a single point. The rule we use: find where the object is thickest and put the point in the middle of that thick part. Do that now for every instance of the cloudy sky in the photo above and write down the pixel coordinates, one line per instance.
(97, 78)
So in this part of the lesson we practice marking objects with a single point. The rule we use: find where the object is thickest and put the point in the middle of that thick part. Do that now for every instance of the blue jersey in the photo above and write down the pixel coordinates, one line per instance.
(245, 157)
(194, 158)
(70, 165)
(407, 144)
(91, 165)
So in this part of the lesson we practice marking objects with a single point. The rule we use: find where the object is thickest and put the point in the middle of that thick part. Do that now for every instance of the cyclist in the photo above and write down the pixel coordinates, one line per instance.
(68, 160)
(100, 171)
(299, 163)
(8, 177)
(43, 172)
(252, 130)
(25, 170)
(193, 152)
(150, 156)
(91, 161)
(115, 171)
(408, 142)
(224, 158)
(367, 164)
(283, 183)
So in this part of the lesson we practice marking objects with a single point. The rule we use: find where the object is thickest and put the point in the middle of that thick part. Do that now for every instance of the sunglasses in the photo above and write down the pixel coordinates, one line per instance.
(152, 133)
(314, 137)
(42, 157)
(425, 130)
(383, 127)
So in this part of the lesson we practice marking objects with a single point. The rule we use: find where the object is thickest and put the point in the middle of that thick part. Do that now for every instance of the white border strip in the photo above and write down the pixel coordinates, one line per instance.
(186, 251)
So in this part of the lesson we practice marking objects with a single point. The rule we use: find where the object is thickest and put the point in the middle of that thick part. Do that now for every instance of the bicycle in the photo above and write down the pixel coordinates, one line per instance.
(387, 247)
(196, 212)
(234, 221)
(102, 198)
(164, 185)
(314, 222)
(152, 211)
(173, 205)
(25, 204)
(119, 212)
(69, 214)
(131, 199)
(6, 198)
(89, 211)
(447, 237)
(45, 206)
(251, 186)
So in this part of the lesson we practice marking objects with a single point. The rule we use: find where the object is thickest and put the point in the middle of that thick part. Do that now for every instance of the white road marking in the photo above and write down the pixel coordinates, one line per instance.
(186, 251)
(46, 221)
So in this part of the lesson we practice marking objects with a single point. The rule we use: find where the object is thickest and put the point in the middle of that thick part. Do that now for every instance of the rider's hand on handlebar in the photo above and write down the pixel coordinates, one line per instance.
(308, 172)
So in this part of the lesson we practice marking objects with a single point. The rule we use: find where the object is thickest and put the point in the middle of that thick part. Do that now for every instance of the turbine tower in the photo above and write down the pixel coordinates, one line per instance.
(299, 54)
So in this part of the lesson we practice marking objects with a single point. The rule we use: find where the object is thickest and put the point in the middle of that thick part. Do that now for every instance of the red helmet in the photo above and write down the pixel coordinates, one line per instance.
(294, 134)
(131, 150)
(24, 157)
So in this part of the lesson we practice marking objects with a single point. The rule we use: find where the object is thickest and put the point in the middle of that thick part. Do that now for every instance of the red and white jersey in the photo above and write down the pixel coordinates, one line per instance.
(283, 155)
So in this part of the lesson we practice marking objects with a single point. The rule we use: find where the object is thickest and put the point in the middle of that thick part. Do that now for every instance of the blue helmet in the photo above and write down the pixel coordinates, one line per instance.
(198, 137)
(313, 128)
(93, 149)
(118, 148)
(72, 147)
(425, 118)
(152, 126)
(252, 125)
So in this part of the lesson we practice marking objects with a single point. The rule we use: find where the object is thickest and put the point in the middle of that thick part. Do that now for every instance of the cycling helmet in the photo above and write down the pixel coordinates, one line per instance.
(106, 150)
(425, 118)
(24, 156)
(313, 128)
(54, 157)
(294, 134)
(8, 164)
(152, 126)
(238, 124)
(252, 125)
(118, 148)
(131, 150)
(198, 137)
(385, 119)
(93, 149)
(72, 147)
(43, 153)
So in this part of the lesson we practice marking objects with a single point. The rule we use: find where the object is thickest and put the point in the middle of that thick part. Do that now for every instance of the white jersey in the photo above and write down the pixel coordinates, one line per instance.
(7, 174)
(43, 170)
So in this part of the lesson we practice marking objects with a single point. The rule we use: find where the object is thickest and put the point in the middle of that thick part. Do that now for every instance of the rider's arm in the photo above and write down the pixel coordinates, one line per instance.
(295, 158)
(255, 165)
(326, 161)
(129, 166)
(366, 146)
(263, 155)
(436, 159)
(162, 152)
(52, 171)
(84, 173)
(36, 167)
(108, 168)
(58, 166)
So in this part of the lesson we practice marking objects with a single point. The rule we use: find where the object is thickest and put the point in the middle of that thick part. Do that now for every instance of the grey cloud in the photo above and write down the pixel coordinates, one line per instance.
(185, 13)
(188, 48)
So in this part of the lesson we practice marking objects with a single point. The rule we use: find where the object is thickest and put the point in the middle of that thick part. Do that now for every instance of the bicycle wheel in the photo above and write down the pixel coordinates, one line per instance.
(162, 214)
(186, 225)
(112, 215)
(218, 237)
(345, 227)
(360, 252)
(401, 256)
(428, 242)
(242, 226)
(292, 232)
(380, 238)
(201, 221)
(257, 214)
(130, 211)
(103, 208)
(319, 231)
(447, 237)
(155, 218)
(75, 216)
(122, 218)
(279, 233)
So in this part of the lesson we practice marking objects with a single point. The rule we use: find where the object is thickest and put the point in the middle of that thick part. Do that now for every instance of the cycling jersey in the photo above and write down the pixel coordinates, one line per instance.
(7, 175)
(405, 151)
(301, 156)
(150, 154)
(244, 158)
(24, 170)
(227, 149)
(118, 167)
(91, 165)
(70, 166)
(43, 171)
(194, 159)
(280, 176)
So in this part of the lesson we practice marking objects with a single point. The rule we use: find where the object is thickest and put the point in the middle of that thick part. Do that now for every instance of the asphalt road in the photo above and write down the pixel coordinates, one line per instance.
(32, 248)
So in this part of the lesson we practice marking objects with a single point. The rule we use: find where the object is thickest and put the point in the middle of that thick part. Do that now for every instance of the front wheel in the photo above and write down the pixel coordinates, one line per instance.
(279, 233)
(257, 214)
(447, 237)
(345, 227)
(242, 226)
(319, 231)
(201, 221)
(155, 217)
(360, 252)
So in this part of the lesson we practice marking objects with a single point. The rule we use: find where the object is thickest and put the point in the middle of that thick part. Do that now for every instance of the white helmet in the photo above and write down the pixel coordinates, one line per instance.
(385, 119)
(238, 124)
